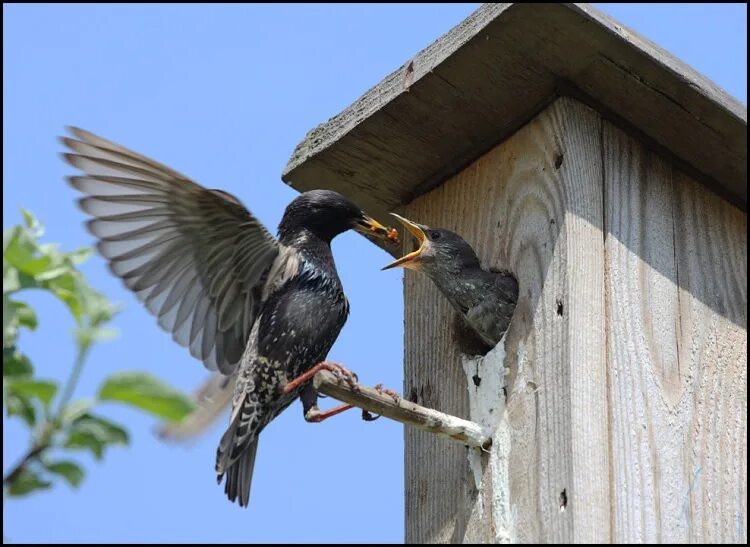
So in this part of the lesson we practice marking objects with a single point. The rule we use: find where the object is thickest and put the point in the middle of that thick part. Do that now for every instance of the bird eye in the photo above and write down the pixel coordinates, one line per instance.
(435, 235)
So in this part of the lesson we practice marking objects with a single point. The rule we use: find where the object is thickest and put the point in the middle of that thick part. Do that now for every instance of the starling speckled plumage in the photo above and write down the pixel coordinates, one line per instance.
(486, 300)
(244, 303)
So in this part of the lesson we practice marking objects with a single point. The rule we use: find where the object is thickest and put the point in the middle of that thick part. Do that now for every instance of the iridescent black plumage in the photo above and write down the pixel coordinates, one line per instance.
(244, 303)
(297, 325)
(486, 300)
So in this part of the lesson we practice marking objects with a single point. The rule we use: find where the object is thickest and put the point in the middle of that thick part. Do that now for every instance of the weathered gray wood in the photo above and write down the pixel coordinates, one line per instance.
(676, 263)
(627, 413)
(485, 78)
(408, 413)
(518, 206)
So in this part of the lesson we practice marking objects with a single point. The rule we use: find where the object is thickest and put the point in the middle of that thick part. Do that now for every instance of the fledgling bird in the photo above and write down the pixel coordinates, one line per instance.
(243, 302)
(486, 300)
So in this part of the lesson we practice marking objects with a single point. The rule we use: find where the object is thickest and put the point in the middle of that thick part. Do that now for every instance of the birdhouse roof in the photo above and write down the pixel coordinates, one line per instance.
(489, 75)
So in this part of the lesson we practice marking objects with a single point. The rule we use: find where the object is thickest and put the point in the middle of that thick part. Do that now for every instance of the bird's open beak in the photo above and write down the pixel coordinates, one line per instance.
(410, 260)
(370, 227)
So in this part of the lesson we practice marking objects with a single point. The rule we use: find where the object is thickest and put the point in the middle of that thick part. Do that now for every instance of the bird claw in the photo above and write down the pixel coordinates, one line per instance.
(313, 414)
(395, 396)
(336, 369)
(342, 373)
(368, 417)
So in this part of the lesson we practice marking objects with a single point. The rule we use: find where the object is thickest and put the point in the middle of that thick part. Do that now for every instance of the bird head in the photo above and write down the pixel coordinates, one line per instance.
(439, 250)
(327, 214)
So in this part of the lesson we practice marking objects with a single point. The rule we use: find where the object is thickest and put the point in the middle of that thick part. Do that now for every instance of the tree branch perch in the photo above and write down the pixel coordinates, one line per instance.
(406, 412)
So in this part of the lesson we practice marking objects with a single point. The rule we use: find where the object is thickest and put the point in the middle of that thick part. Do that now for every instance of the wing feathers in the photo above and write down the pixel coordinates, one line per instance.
(195, 257)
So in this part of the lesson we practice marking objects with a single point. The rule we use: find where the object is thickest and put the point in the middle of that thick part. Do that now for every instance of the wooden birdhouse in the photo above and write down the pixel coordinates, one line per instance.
(612, 179)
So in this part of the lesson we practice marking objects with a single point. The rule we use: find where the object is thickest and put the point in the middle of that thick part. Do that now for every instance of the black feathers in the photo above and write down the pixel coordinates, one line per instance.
(485, 300)
(242, 302)
(323, 214)
(193, 256)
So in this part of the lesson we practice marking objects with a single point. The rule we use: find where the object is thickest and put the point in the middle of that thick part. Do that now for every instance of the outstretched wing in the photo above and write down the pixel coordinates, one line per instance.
(212, 398)
(195, 257)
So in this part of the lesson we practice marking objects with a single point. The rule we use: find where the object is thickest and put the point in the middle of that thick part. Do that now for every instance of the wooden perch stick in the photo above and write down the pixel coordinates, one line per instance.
(406, 412)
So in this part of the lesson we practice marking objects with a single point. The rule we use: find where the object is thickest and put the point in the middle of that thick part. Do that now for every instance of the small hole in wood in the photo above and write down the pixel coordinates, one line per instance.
(563, 500)
(413, 395)
(552, 221)
(477, 380)
(559, 307)
(409, 76)
(558, 160)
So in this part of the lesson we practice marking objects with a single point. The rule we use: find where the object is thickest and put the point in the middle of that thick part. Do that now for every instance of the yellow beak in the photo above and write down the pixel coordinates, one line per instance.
(371, 227)
(410, 260)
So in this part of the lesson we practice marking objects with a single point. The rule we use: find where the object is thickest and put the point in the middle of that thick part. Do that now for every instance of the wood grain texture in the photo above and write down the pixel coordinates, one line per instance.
(408, 413)
(676, 271)
(480, 82)
(520, 206)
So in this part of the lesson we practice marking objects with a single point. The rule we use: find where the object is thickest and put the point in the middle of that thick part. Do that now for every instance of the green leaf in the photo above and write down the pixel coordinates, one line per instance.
(95, 433)
(67, 288)
(143, 391)
(15, 314)
(26, 482)
(86, 336)
(29, 264)
(8, 236)
(20, 247)
(80, 255)
(20, 405)
(44, 390)
(26, 316)
(70, 471)
(74, 410)
(52, 273)
(16, 364)
(9, 321)
(11, 281)
(35, 267)
(32, 224)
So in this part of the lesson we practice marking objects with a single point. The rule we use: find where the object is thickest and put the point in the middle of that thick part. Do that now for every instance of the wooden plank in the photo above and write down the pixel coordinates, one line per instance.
(521, 206)
(676, 271)
(488, 76)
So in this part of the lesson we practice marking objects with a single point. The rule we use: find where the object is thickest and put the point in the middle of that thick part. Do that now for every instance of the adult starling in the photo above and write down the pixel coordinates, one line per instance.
(486, 300)
(243, 302)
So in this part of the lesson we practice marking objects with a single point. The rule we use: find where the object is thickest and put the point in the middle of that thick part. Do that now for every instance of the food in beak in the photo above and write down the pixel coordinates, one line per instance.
(371, 227)
(410, 260)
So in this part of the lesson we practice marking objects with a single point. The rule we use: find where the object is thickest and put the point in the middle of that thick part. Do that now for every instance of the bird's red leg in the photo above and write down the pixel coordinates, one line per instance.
(316, 416)
(337, 369)
(310, 410)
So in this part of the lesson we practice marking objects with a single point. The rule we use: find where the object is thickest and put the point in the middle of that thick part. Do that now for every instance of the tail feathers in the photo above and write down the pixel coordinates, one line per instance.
(235, 456)
(240, 476)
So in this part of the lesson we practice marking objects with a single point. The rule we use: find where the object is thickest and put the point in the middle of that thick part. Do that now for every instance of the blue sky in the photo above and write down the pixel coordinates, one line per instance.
(223, 94)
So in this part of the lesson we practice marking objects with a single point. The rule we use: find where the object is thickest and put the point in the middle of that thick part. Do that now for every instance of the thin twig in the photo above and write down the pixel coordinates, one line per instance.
(401, 410)
(31, 455)
(75, 374)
